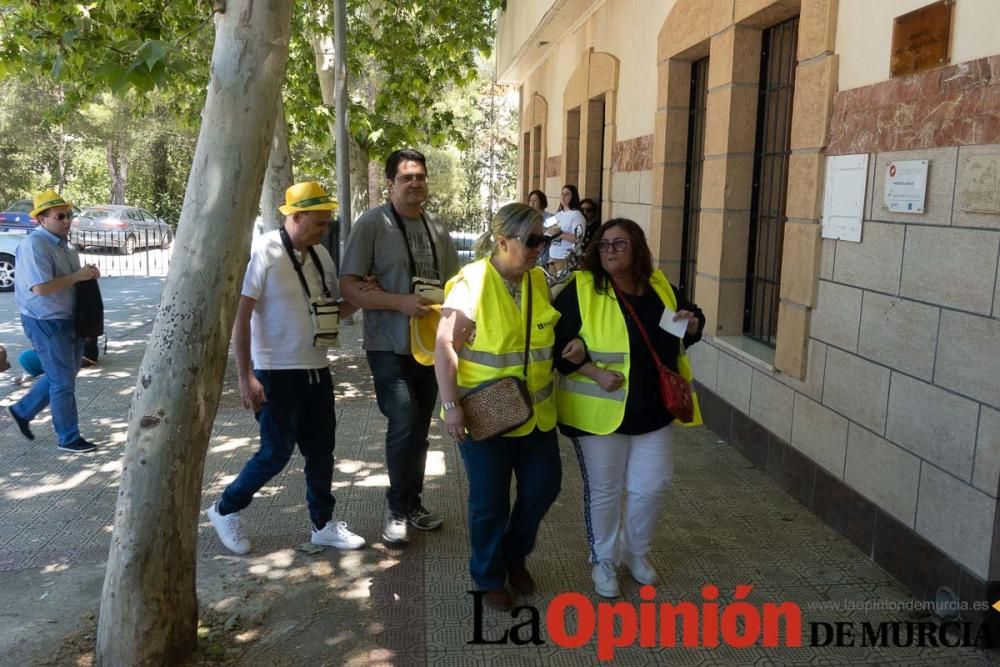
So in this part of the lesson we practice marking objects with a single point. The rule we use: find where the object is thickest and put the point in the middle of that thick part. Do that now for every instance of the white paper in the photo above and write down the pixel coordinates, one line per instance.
(678, 328)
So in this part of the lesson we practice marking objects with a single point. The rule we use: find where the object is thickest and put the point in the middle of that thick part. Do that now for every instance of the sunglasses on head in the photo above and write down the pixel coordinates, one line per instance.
(532, 241)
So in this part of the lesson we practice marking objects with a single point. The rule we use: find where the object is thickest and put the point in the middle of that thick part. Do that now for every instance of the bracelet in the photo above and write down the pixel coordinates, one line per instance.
(449, 405)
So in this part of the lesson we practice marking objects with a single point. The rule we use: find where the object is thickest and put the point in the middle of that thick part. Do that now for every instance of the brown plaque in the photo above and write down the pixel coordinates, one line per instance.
(920, 39)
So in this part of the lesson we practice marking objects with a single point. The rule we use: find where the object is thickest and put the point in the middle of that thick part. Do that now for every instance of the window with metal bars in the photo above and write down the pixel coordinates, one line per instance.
(770, 181)
(692, 176)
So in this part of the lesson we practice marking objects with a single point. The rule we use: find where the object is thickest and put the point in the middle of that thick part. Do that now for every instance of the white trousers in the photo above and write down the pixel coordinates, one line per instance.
(636, 470)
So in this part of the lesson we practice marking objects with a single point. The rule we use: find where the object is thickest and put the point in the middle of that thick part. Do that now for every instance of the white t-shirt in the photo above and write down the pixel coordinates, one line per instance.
(568, 222)
(281, 331)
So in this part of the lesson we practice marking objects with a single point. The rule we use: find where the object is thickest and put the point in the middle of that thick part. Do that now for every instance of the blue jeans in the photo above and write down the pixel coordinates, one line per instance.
(406, 393)
(60, 351)
(501, 539)
(299, 409)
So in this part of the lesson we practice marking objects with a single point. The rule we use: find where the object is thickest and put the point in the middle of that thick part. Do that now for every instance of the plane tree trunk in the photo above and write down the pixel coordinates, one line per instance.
(149, 605)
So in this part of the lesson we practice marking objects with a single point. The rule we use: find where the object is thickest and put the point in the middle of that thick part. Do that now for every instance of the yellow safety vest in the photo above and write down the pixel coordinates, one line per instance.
(498, 348)
(581, 402)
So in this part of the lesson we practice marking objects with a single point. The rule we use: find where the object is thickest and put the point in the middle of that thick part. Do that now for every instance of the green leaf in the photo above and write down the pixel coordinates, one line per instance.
(152, 52)
(57, 65)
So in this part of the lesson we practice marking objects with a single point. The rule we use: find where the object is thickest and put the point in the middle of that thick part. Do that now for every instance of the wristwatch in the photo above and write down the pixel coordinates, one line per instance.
(449, 405)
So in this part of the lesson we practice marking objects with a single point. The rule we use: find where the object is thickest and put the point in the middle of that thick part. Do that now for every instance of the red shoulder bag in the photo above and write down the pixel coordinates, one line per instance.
(675, 391)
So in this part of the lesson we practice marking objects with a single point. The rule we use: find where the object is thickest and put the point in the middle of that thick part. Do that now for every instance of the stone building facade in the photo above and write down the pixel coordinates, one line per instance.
(863, 376)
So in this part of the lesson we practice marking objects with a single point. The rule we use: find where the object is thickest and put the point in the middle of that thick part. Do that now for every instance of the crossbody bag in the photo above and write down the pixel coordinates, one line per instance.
(500, 406)
(675, 391)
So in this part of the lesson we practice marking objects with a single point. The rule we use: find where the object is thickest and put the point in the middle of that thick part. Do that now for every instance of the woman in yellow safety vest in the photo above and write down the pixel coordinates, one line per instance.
(610, 404)
(481, 338)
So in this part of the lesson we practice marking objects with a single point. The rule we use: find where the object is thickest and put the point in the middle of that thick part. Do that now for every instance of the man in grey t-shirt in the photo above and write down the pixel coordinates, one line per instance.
(400, 244)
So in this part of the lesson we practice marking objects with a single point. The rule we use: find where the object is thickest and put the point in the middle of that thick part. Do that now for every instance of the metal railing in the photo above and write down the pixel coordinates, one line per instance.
(125, 252)
(770, 181)
(693, 176)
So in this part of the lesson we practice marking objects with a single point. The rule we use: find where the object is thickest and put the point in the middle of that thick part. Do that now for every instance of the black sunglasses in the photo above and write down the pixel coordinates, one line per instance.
(532, 241)
(60, 216)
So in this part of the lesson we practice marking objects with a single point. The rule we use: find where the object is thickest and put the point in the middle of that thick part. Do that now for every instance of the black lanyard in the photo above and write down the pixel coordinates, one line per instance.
(409, 251)
(286, 241)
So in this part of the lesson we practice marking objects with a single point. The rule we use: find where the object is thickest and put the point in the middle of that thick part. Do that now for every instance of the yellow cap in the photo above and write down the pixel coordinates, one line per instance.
(46, 200)
(423, 335)
(307, 196)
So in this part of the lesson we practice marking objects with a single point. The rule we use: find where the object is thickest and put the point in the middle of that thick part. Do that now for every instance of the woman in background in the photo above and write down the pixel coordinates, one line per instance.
(568, 220)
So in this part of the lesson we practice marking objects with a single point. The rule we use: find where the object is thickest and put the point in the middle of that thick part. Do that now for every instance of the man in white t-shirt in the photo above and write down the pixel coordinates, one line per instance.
(289, 387)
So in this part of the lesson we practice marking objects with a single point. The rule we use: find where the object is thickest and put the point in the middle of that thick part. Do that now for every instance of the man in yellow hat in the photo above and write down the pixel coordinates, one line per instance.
(48, 268)
(285, 322)
(411, 255)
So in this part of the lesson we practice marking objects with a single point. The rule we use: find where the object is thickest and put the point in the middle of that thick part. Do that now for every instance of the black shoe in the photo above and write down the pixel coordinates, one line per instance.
(79, 446)
(22, 424)
(520, 580)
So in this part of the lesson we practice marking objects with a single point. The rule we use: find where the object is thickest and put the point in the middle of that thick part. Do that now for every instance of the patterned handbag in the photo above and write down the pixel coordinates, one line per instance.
(674, 389)
(500, 406)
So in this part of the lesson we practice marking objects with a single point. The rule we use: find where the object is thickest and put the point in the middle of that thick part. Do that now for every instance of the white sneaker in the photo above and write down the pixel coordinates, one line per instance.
(640, 568)
(228, 529)
(605, 579)
(394, 529)
(336, 534)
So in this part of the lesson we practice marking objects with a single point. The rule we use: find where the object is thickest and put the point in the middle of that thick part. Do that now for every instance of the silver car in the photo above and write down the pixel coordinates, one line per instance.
(8, 246)
(125, 228)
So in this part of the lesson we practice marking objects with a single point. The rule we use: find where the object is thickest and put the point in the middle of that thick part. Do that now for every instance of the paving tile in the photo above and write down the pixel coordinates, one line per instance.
(724, 522)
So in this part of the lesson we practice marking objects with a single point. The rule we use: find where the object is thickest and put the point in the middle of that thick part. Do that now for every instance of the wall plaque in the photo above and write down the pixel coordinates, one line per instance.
(979, 189)
(920, 39)
(906, 186)
(844, 197)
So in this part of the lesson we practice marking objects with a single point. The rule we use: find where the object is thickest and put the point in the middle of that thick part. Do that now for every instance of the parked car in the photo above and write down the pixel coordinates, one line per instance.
(16, 217)
(8, 246)
(463, 244)
(125, 228)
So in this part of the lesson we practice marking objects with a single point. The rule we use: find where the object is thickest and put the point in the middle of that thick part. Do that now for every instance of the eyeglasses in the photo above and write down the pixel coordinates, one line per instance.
(59, 216)
(410, 178)
(618, 244)
(532, 241)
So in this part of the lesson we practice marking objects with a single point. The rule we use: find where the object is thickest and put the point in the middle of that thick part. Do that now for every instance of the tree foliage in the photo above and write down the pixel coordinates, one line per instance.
(413, 76)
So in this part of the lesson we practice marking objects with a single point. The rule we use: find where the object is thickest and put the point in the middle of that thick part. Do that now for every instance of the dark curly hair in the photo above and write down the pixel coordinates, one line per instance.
(642, 259)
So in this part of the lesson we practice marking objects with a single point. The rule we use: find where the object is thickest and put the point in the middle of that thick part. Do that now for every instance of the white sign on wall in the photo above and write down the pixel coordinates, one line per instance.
(906, 186)
(844, 196)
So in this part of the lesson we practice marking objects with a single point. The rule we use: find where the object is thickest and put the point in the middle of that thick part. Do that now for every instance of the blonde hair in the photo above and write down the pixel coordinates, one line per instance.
(511, 221)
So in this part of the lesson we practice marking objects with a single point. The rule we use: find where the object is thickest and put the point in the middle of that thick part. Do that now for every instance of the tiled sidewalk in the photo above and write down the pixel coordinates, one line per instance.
(725, 523)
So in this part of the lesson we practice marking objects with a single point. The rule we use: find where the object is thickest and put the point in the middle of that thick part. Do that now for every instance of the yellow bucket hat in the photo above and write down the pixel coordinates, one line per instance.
(423, 335)
(46, 200)
(307, 196)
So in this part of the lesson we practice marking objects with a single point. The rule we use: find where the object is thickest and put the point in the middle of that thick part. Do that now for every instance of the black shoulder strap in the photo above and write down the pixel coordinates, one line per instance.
(286, 241)
(527, 328)
(409, 251)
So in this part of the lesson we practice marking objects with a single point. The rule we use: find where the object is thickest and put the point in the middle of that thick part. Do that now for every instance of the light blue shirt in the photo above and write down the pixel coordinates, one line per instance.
(41, 257)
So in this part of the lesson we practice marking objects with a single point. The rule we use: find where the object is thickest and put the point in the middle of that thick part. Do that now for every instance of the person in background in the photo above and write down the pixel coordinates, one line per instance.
(568, 220)
(592, 214)
(610, 403)
(538, 201)
(481, 338)
(48, 269)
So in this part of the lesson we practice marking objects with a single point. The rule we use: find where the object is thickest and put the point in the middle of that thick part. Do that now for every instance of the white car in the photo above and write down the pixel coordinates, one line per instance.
(8, 246)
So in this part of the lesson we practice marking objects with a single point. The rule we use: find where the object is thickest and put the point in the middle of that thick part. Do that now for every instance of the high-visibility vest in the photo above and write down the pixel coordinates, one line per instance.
(497, 350)
(581, 402)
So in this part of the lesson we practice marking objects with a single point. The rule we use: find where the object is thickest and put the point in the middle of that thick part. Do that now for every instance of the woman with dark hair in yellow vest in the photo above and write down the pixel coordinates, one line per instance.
(610, 404)
(481, 338)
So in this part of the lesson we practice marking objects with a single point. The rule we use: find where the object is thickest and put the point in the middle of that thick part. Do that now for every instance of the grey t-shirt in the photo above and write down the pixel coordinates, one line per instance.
(376, 246)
